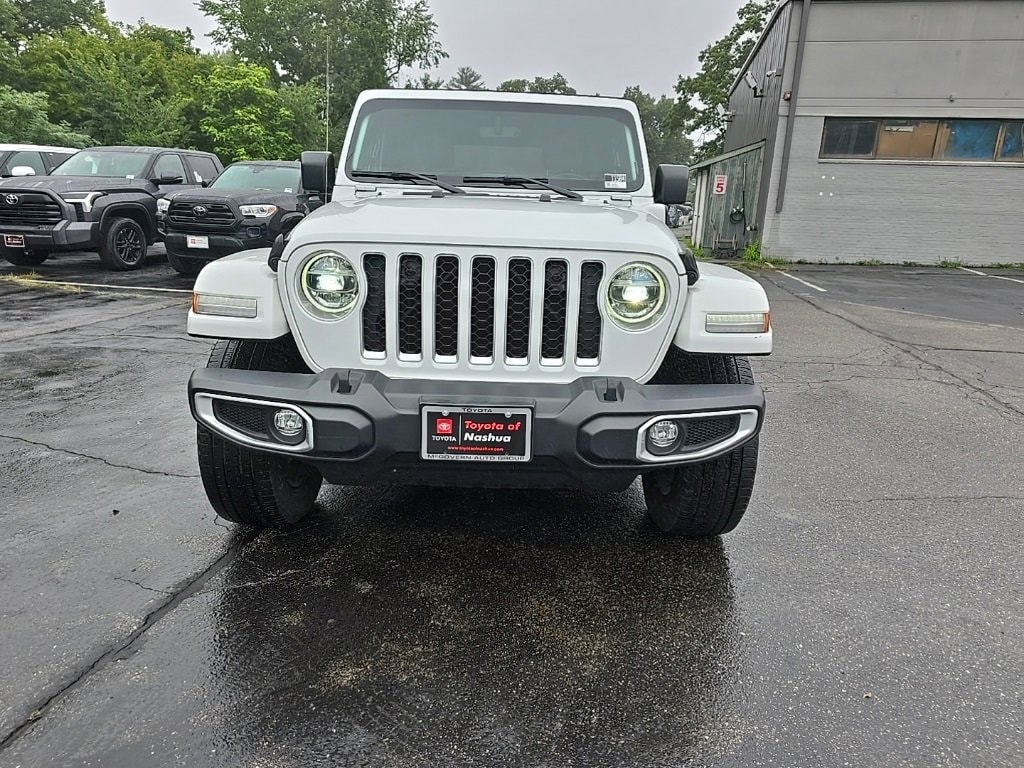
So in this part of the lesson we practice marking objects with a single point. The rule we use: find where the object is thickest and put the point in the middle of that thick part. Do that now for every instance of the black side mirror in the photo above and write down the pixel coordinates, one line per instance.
(318, 173)
(169, 178)
(671, 184)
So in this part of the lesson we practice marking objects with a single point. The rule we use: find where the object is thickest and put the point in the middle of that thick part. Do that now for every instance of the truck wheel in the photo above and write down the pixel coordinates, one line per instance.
(249, 487)
(124, 245)
(26, 258)
(709, 498)
(184, 265)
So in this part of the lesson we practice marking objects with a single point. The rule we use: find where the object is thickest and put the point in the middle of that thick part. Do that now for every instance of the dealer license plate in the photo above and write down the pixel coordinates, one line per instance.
(197, 241)
(476, 434)
(14, 241)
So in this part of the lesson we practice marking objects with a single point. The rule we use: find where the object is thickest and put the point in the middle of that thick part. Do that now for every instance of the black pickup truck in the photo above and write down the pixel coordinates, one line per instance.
(101, 199)
(247, 206)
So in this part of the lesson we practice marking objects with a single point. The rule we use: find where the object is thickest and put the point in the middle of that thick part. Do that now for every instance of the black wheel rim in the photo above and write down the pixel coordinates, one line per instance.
(128, 245)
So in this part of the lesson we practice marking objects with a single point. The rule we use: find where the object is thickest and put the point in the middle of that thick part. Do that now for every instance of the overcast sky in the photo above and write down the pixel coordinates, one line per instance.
(601, 46)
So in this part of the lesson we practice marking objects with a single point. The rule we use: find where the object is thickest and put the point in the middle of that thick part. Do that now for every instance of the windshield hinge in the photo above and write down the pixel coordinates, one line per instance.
(621, 199)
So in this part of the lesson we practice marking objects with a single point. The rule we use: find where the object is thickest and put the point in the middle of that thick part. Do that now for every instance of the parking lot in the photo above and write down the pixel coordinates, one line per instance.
(867, 612)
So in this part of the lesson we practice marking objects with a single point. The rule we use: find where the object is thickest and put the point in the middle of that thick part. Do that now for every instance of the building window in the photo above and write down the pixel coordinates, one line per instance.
(849, 138)
(978, 141)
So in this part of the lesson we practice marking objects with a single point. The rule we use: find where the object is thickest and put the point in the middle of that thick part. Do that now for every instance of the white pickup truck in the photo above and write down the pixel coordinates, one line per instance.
(490, 297)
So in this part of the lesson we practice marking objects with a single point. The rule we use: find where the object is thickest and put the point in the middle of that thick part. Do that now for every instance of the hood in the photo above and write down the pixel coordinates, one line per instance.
(284, 200)
(487, 221)
(64, 184)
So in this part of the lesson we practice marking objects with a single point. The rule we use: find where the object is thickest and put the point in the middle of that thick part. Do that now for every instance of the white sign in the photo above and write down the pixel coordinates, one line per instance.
(720, 184)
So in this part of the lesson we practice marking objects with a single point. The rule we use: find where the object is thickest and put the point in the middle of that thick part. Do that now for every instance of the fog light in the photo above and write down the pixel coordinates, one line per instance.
(288, 424)
(663, 437)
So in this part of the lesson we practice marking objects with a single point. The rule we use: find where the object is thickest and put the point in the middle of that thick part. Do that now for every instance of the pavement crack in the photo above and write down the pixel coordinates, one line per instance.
(926, 498)
(140, 585)
(80, 455)
(181, 593)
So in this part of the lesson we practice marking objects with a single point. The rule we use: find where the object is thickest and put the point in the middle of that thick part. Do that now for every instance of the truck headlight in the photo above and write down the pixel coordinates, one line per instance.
(163, 205)
(330, 285)
(84, 199)
(258, 211)
(636, 295)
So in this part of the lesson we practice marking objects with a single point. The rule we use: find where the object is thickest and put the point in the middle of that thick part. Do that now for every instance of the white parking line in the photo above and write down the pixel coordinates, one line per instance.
(101, 285)
(995, 277)
(809, 285)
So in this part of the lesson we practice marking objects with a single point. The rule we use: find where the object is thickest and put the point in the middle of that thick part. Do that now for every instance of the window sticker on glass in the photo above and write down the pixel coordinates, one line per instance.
(615, 181)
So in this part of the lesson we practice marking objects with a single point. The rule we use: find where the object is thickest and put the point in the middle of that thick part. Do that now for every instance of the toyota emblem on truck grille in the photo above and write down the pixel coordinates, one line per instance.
(199, 211)
(11, 199)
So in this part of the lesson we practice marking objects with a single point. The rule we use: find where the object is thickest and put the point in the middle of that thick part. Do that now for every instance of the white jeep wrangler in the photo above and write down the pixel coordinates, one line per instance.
(490, 298)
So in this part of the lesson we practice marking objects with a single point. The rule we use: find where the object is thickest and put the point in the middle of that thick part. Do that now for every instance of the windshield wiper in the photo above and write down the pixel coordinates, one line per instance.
(522, 181)
(410, 176)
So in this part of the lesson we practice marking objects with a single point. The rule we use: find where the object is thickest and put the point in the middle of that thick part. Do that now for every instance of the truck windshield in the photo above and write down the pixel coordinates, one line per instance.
(579, 147)
(255, 176)
(127, 165)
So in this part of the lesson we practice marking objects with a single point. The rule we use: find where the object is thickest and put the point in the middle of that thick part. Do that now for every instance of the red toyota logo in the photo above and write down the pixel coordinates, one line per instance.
(444, 426)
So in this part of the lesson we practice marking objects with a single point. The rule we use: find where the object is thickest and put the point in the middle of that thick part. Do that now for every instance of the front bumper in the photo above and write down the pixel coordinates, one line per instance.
(222, 244)
(63, 236)
(366, 428)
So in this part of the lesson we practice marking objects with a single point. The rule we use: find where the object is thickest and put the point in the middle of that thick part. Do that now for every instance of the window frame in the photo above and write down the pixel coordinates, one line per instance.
(160, 158)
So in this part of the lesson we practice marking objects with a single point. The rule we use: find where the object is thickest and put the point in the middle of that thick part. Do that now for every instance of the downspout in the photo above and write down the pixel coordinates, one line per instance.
(787, 147)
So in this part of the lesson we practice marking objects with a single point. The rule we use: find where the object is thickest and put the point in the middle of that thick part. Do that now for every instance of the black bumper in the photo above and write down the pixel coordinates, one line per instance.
(63, 236)
(367, 428)
(221, 244)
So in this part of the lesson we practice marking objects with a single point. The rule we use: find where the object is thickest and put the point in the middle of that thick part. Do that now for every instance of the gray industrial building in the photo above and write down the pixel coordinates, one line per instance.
(875, 129)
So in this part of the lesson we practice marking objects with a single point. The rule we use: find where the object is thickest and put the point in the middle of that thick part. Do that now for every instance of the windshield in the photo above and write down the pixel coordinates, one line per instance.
(578, 147)
(90, 163)
(271, 178)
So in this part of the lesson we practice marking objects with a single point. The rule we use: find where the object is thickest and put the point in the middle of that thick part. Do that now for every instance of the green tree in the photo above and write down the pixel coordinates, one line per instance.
(118, 84)
(51, 17)
(556, 84)
(425, 82)
(246, 118)
(365, 42)
(699, 95)
(466, 79)
(25, 121)
(667, 142)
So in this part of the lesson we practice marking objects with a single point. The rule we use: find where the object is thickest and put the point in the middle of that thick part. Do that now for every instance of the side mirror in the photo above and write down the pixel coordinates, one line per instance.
(671, 183)
(318, 173)
(289, 221)
(169, 178)
(23, 170)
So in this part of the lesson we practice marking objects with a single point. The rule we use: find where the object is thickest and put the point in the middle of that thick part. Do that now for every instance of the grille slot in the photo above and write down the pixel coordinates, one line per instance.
(217, 216)
(517, 313)
(556, 303)
(446, 307)
(481, 333)
(713, 430)
(410, 304)
(374, 319)
(249, 419)
(588, 333)
(30, 210)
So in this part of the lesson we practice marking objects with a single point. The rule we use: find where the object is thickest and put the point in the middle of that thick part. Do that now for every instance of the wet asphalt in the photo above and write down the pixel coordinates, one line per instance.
(868, 610)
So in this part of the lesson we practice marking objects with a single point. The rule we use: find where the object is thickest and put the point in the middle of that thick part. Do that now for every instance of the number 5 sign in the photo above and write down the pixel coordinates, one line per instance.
(720, 184)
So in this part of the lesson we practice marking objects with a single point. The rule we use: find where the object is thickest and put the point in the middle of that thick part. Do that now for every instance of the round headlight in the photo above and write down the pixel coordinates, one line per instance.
(330, 284)
(636, 294)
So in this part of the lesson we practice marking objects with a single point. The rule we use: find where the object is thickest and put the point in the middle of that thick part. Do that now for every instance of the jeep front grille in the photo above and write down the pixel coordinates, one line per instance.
(480, 309)
(211, 216)
(31, 209)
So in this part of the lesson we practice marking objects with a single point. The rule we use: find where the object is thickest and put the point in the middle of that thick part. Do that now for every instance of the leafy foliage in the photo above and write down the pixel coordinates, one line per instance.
(667, 141)
(556, 84)
(699, 95)
(426, 82)
(25, 121)
(466, 79)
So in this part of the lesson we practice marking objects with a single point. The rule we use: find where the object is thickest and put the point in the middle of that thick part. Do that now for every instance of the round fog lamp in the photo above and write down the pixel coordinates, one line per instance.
(288, 423)
(663, 437)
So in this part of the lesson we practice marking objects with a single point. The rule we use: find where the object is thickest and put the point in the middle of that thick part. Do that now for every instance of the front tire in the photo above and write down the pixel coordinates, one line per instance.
(124, 245)
(26, 258)
(710, 498)
(249, 487)
(185, 266)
